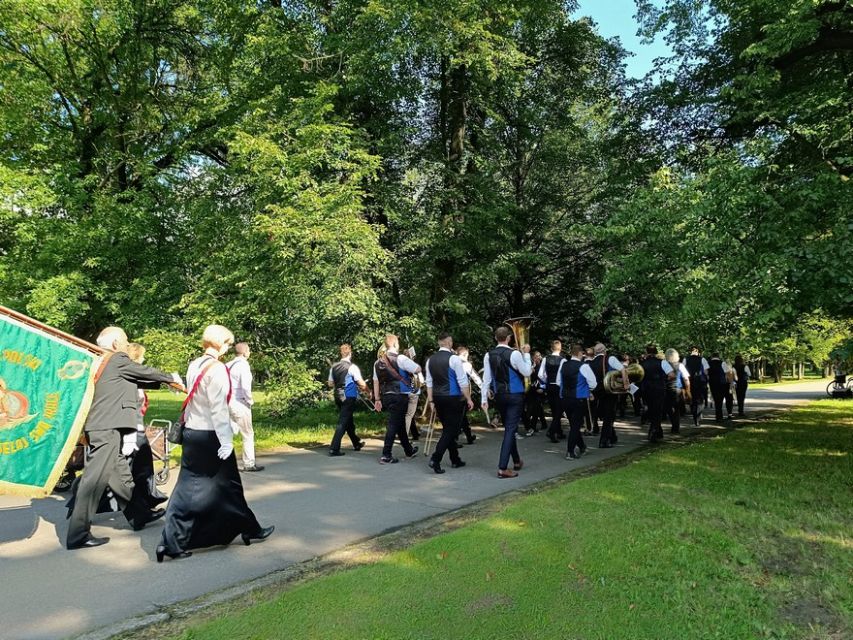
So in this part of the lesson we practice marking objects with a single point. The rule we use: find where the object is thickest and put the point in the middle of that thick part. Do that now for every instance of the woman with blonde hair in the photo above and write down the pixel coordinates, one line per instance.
(207, 507)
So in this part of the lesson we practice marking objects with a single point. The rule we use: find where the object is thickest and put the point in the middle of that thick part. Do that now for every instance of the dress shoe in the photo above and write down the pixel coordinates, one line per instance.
(388, 460)
(518, 466)
(506, 473)
(89, 542)
(254, 467)
(358, 446)
(160, 552)
(336, 454)
(571, 456)
(435, 467)
(263, 534)
(458, 464)
(154, 514)
(471, 438)
(413, 453)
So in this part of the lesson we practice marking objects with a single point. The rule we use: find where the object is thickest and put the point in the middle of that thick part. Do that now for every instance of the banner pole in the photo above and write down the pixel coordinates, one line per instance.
(20, 317)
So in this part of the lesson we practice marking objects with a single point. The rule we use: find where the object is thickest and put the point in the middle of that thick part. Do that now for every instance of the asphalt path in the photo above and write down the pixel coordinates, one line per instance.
(317, 503)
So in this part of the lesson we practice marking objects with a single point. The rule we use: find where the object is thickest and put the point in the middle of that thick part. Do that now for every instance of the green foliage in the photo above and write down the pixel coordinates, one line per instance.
(169, 350)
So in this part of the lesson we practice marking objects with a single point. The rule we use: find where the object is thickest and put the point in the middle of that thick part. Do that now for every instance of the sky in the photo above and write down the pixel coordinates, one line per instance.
(616, 18)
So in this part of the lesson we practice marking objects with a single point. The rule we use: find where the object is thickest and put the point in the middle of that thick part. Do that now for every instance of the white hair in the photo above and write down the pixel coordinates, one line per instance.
(109, 336)
(215, 335)
(672, 356)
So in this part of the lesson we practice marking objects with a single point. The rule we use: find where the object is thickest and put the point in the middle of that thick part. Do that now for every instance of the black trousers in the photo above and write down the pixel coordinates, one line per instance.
(741, 395)
(699, 392)
(575, 409)
(674, 400)
(395, 405)
(654, 398)
(450, 410)
(466, 427)
(556, 404)
(346, 423)
(718, 393)
(534, 410)
(106, 467)
(607, 409)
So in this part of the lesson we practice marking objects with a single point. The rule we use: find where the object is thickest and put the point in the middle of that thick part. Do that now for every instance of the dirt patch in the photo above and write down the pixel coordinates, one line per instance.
(807, 612)
(487, 603)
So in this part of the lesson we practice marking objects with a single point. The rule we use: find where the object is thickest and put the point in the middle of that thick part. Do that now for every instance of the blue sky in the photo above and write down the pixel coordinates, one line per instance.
(616, 18)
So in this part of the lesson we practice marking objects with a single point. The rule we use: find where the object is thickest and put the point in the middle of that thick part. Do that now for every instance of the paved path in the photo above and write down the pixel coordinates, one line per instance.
(317, 503)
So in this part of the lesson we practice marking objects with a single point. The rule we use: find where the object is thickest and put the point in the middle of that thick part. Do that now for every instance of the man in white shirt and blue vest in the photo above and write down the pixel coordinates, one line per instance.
(504, 371)
(577, 381)
(345, 378)
(448, 393)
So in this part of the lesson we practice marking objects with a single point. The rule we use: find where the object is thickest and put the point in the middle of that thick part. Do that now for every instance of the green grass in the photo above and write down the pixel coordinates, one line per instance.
(809, 377)
(749, 535)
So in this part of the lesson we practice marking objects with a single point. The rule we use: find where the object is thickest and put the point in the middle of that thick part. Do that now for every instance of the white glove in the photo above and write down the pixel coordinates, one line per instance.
(225, 451)
(128, 444)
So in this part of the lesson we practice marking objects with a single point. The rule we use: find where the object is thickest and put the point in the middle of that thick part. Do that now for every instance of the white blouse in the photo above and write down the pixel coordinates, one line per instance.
(208, 409)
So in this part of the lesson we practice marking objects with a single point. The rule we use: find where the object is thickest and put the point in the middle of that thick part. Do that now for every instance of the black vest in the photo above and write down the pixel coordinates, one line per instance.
(695, 369)
(574, 383)
(597, 365)
(388, 382)
(654, 378)
(444, 382)
(552, 368)
(716, 375)
(740, 370)
(339, 373)
(505, 377)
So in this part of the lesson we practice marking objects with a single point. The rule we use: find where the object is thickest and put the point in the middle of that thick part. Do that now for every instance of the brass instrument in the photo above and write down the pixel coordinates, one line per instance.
(613, 379)
(521, 332)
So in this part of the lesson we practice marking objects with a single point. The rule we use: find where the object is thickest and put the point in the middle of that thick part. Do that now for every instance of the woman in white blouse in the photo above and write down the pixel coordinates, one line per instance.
(207, 507)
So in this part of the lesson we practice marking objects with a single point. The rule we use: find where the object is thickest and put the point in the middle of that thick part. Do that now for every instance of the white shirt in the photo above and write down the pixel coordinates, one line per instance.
(471, 373)
(519, 361)
(456, 365)
(543, 374)
(208, 408)
(403, 362)
(353, 370)
(241, 380)
(614, 363)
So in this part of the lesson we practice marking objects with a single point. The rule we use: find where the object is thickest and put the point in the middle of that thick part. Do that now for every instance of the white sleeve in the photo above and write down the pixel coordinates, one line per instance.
(459, 370)
(521, 362)
(355, 372)
(684, 372)
(473, 374)
(331, 377)
(747, 371)
(615, 364)
(407, 364)
(246, 380)
(216, 389)
(428, 375)
(667, 368)
(705, 365)
(586, 370)
(487, 380)
(543, 377)
(375, 375)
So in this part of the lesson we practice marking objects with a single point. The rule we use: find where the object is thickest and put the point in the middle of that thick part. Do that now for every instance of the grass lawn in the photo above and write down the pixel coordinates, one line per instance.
(749, 535)
(809, 377)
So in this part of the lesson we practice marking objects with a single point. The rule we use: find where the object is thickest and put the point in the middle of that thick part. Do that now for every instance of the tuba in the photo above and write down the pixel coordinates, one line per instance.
(521, 332)
(613, 379)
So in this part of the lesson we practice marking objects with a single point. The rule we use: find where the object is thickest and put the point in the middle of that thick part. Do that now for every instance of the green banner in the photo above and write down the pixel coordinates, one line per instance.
(46, 386)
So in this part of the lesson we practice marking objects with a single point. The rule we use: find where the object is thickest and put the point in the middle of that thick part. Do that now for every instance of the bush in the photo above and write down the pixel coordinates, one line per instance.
(169, 350)
(291, 383)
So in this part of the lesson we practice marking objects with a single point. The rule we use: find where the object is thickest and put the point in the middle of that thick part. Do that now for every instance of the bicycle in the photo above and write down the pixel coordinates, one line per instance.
(840, 387)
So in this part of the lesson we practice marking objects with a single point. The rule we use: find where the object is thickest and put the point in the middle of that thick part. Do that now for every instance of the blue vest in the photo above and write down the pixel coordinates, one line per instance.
(574, 382)
(505, 378)
(344, 383)
(388, 382)
(444, 382)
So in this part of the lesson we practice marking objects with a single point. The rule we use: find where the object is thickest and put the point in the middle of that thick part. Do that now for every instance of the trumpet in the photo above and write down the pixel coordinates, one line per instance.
(613, 382)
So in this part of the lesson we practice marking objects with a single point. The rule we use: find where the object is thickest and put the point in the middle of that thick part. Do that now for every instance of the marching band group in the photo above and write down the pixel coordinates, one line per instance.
(207, 506)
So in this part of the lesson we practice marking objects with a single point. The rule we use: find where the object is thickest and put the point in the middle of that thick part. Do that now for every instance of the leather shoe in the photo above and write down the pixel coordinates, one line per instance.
(518, 466)
(358, 446)
(458, 464)
(263, 534)
(506, 473)
(154, 514)
(335, 454)
(89, 542)
(471, 439)
(160, 552)
(256, 467)
(435, 467)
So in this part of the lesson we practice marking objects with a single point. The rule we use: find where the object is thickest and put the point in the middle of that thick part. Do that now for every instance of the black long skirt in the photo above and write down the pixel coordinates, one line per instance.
(207, 507)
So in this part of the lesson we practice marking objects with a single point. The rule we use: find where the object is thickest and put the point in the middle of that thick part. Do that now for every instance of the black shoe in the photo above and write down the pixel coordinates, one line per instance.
(154, 514)
(413, 453)
(414, 436)
(471, 438)
(89, 542)
(358, 446)
(263, 534)
(160, 552)
(458, 464)
(553, 438)
(389, 460)
(254, 467)
(336, 454)
(435, 467)
(459, 446)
